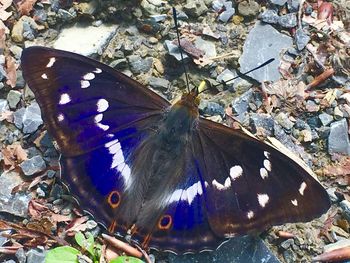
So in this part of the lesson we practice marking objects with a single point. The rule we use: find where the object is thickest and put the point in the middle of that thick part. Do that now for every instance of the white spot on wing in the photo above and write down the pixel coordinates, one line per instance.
(98, 70)
(60, 117)
(102, 105)
(267, 165)
(250, 214)
(294, 202)
(44, 76)
(51, 62)
(263, 173)
(89, 76)
(98, 118)
(64, 99)
(263, 199)
(108, 144)
(267, 154)
(236, 171)
(221, 187)
(84, 84)
(187, 194)
(302, 188)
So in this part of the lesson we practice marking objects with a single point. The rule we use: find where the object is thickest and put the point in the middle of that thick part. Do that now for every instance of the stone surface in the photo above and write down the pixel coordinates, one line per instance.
(284, 121)
(36, 256)
(159, 83)
(248, 8)
(270, 16)
(264, 121)
(240, 105)
(140, 65)
(237, 250)
(288, 20)
(15, 204)
(174, 51)
(301, 38)
(3, 106)
(269, 42)
(13, 97)
(325, 118)
(84, 40)
(195, 8)
(28, 119)
(33, 165)
(338, 140)
(210, 108)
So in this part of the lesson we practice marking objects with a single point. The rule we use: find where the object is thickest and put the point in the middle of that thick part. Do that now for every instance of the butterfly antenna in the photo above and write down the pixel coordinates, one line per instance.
(203, 83)
(180, 48)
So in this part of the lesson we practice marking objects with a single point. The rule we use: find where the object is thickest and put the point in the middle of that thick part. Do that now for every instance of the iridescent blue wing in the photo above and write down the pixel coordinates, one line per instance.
(98, 117)
(83, 101)
(251, 185)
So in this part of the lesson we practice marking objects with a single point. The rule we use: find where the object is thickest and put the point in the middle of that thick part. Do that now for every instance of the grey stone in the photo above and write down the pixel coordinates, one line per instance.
(345, 205)
(338, 140)
(66, 15)
(263, 42)
(226, 77)
(174, 51)
(270, 16)
(13, 97)
(226, 15)
(331, 193)
(248, 8)
(16, 51)
(84, 40)
(119, 63)
(288, 20)
(293, 5)
(284, 121)
(301, 38)
(325, 118)
(159, 83)
(36, 256)
(21, 255)
(236, 250)
(33, 165)
(240, 105)
(195, 8)
(210, 108)
(140, 65)
(3, 106)
(28, 119)
(278, 2)
(15, 204)
(9, 261)
(261, 120)
(161, 18)
(207, 46)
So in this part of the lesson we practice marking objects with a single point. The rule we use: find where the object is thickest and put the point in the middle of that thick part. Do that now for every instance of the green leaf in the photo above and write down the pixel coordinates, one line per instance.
(64, 254)
(86, 244)
(126, 259)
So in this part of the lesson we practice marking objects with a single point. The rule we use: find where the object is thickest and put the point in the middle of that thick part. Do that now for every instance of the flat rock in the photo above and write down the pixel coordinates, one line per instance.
(263, 42)
(33, 165)
(140, 65)
(28, 119)
(15, 204)
(159, 83)
(236, 250)
(84, 40)
(240, 105)
(13, 97)
(174, 51)
(338, 140)
(3, 106)
(36, 256)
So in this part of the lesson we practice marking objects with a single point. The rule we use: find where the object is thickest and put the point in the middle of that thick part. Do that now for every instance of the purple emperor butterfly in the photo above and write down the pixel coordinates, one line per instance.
(159, 172)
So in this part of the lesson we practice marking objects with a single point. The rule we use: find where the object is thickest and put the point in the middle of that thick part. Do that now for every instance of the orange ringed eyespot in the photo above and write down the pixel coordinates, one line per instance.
(114, 199)
(165, 222)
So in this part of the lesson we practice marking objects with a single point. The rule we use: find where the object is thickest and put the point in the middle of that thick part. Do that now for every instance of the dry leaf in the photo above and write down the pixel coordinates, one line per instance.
(25, 6)
(13, 155)
(340, 169)
(11, 71)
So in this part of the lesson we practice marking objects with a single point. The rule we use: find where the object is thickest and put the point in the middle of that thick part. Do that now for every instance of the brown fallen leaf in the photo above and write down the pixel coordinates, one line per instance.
(25, 6)
(13, 155)
(77, 224)
(190, 48)
(11, 71)
(339, 169)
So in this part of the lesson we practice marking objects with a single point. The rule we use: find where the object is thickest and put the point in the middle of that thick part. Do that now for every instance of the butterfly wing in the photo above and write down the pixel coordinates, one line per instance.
(98, 117)
(251, 185)
(84, 101)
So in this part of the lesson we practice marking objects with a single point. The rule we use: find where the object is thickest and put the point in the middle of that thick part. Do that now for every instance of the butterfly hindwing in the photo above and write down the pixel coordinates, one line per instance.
(251, 185)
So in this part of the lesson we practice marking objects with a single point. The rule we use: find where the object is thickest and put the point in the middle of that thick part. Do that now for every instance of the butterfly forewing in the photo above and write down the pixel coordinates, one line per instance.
(84, 101)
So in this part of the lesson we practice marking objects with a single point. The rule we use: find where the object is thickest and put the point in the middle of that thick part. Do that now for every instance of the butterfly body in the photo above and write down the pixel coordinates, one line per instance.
(160, 173)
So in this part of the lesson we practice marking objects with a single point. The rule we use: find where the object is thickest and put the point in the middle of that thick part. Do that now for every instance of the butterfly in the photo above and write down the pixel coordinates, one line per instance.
(158, 172)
